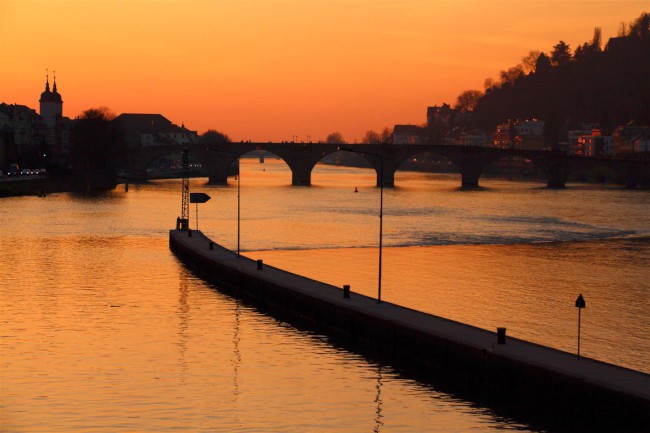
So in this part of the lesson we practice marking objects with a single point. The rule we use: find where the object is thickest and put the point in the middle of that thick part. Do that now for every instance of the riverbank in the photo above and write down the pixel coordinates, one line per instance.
(57, 181)
(543, 384)
(18, 186)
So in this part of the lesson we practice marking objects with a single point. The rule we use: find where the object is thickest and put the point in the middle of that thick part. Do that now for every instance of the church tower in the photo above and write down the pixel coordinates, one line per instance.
(51, 104)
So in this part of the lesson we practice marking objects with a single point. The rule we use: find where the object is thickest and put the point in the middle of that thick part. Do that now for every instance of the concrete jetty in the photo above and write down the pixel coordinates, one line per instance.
(538, 384)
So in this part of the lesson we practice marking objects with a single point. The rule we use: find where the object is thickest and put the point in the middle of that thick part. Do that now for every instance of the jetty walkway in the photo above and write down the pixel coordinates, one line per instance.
(542, 384)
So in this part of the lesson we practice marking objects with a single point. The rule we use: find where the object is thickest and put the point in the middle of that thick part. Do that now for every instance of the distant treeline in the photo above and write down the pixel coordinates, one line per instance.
(607, 86)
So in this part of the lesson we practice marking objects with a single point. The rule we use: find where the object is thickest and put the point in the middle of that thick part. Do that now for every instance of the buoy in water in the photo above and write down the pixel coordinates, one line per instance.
(355, 189)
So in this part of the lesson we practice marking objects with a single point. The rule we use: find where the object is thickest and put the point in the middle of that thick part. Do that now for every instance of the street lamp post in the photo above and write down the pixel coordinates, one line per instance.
(580, 304)
(381, 210)
(238, 194)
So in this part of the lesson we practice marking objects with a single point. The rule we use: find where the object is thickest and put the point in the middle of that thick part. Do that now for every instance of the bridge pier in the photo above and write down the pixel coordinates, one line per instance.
(300, 176)
(217, 180)
(469, 179)
(389, 178)
(557, 182)
(218, 165)
(557, 169)
(471, 165)
(636, 179)
(556, 177)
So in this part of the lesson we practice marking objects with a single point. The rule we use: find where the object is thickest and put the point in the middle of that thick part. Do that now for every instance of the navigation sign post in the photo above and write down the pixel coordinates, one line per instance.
(580, 304)
(198, 197)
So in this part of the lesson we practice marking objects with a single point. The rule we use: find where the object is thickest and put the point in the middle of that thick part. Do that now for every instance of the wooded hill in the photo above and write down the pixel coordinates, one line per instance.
(608, 87)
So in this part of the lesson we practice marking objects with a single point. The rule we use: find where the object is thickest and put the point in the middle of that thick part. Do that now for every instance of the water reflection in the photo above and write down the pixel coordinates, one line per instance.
(236, 354)
(99, 316)
(378, 415)
(183, 312)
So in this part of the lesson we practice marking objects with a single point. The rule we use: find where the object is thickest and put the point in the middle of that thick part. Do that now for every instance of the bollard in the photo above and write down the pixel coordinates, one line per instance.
(346, 291)
(211, 245)
(189, 233)
(501, 335)
(259, 265)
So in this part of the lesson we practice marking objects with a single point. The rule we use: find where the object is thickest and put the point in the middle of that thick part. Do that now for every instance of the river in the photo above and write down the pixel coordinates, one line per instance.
(103, 330)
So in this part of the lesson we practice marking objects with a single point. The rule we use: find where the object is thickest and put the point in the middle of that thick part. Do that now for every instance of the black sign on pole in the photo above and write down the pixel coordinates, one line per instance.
(580, 304)
(199, 197)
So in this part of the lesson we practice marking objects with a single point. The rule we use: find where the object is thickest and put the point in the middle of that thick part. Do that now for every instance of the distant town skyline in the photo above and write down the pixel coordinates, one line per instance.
(272, 70)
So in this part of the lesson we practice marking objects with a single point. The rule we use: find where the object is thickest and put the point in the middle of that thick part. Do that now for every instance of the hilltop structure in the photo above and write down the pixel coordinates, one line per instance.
(51, 105)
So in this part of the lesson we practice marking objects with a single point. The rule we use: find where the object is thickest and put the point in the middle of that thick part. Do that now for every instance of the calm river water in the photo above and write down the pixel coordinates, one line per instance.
(103, 330)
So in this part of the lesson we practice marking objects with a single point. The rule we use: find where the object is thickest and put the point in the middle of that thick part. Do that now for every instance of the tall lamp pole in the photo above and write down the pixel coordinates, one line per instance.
(381, 209)
(238, 194)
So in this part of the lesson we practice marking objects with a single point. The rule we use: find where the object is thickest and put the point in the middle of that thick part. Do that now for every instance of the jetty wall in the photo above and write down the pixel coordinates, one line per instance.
(541, 385)
(23, 186)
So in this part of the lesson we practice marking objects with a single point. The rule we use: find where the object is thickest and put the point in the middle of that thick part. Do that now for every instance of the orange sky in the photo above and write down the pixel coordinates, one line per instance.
(271, 69)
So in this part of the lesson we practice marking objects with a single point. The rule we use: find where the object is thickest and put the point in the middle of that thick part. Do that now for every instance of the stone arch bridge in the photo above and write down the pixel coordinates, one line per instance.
(471, 161)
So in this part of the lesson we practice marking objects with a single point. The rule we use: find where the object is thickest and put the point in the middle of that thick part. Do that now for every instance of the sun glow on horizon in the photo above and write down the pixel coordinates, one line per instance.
(269, 70)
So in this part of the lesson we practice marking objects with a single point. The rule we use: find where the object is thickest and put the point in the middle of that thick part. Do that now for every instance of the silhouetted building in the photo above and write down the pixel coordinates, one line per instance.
(520, 134)
(51, 105)
(409, 134)
(642, 142)
(460, 137)
(22, 133)
(630, 138)
(57, 127)
(594, 144)
(504, 136)
(153, 130)
(439, 116)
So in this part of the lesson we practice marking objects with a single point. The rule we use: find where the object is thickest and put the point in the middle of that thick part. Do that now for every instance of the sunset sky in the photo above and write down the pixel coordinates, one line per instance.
(271, 69)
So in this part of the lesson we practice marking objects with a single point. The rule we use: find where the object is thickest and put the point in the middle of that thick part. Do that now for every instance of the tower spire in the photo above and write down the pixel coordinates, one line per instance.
(47, 80)
(54, 87)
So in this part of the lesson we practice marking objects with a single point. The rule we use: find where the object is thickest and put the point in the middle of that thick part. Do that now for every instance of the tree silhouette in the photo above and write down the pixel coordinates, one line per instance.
(212, 136)
(335, 138)
(374, 137)
(543, 64)
(561, 54)
(607, 86)
(371, 137)
(95, 140)
(467, 100)
(529, 62)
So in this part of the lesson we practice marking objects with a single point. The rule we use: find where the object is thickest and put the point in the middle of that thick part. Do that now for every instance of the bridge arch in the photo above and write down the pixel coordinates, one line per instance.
(341, 162)
(426, 162)
(513, 167)
(225, 163)
(170, 164)
(555, 166)
(596, 171)
(375, 157)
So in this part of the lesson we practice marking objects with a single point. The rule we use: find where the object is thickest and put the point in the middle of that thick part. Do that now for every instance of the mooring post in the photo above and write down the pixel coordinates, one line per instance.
(260, 264)
(189, 233)
(501, 335)
(211, 245)
(346, 291)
